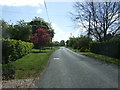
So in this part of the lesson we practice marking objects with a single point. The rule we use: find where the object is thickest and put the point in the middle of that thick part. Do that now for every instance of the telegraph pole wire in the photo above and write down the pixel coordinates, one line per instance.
(47, 11)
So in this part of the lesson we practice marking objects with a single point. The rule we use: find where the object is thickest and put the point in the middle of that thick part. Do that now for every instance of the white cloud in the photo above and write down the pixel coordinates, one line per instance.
(22, 2)
(81, 30)
(39, 11)
(59, 34)
(78, 32)
(57, 29)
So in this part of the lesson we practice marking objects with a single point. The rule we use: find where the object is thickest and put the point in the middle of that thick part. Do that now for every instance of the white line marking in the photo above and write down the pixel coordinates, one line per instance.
(56, 58)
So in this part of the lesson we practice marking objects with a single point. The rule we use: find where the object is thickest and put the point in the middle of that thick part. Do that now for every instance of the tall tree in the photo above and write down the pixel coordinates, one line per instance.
(98, 18)
(38, 22)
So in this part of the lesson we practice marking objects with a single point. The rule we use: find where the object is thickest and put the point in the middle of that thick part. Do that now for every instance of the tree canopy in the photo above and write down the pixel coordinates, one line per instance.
(98, 18)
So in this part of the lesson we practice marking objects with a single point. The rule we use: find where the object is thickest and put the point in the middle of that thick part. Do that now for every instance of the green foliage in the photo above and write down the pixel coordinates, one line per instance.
(8, 71)
(56, 43)
(81, 43)
(38, 22)
(62, 43)
(109, 48)
(21, 31)
(51, 32)
(14, 49)
(5, 29)
(67, 43)
(83, 49)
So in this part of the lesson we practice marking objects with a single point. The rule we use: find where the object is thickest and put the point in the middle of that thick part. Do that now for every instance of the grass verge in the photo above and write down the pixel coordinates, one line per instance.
(102, 57)
(32, 64)
(98, 56)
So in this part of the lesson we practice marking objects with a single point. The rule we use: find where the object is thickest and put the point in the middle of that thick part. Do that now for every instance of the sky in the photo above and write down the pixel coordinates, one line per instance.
(58, 12)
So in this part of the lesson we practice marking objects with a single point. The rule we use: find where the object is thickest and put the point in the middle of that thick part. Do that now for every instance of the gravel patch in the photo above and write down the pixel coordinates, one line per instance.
(19, 83)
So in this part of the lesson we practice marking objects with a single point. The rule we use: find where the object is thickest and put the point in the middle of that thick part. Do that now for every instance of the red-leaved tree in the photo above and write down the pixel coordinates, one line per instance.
(41, 38)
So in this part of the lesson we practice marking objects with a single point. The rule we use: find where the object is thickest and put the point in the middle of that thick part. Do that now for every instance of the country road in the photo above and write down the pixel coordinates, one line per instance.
(68, 69)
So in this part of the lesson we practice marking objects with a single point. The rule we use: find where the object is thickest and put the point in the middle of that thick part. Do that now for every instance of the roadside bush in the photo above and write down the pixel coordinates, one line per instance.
(81, 43)
(109, 48)
(14, 49)
(8, 71)
(83, 49)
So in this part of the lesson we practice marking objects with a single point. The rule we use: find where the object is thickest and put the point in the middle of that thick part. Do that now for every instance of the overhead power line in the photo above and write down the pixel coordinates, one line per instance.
(46, 11)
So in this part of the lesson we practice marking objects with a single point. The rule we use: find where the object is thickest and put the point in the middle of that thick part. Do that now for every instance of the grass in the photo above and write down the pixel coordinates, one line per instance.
(102, 57)
(32, 64)
(98, 56)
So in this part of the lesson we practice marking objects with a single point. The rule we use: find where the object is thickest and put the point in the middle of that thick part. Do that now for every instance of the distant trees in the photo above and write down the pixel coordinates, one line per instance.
(99, 18)
(56, 43)
(62, 43)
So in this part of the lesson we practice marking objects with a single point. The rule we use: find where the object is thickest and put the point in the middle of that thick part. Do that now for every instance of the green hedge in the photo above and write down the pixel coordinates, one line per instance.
(80, 43)
(109, 48)
(14, 49)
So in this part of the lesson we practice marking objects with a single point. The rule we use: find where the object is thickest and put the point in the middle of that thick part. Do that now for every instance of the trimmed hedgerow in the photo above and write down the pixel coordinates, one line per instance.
(108, 48)
(14, 49)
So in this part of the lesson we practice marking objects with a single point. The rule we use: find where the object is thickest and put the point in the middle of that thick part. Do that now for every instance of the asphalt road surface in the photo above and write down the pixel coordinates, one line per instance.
(68, 69)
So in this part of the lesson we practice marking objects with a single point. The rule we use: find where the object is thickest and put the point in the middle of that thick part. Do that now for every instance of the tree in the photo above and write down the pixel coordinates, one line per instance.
(38, 22)
(5, 29)
(98, 18)
(51, 32)
(62, 43)
(21, 31)
(67, 43)
(56, 43)
(40, 38)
